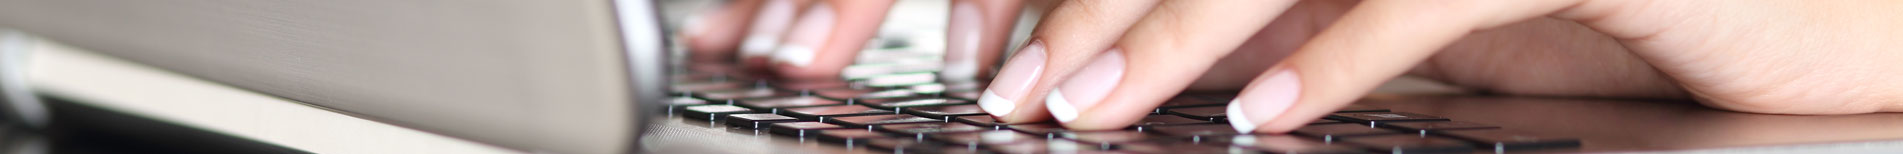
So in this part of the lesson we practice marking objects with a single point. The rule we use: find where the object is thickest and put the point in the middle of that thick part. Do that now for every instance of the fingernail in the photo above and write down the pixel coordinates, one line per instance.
(1264, 101)
(961, 50)
(809, 34)
(1087, 87)
(768, 26)
(1014, 80)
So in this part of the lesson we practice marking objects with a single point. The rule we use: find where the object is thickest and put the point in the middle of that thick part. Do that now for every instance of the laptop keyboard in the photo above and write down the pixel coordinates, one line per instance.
(926, 116)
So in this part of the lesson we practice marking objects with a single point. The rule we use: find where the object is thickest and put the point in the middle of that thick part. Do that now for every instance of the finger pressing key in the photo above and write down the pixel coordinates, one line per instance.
(1070, 36)
(1159, 57)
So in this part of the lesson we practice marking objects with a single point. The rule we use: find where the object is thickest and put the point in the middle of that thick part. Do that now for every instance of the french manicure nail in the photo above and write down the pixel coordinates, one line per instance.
(769, 24)
(1014, 80)
(1087, 87)
(810, 33)
(961, 50)
(1265, 100)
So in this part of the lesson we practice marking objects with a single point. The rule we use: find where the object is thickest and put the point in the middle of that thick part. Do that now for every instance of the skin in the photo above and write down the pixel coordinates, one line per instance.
(1766, 56)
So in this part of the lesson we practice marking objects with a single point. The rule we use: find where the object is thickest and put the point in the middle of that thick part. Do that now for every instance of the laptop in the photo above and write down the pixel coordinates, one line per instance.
(594, 76)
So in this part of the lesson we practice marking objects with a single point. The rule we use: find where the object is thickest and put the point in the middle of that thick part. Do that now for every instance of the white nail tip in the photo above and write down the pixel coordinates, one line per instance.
(1060, 107)
(798, 55)
(758, 45)
(1238, 119)
(996, 105)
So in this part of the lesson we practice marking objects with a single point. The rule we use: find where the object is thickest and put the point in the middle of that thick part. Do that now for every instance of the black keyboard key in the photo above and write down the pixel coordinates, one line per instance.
(757, 120)
(1360, 108)
(1375, 118)
(800, 129)
(709, 112)
(868, 121)
(1196, 131)
(1334, 132)
(1210, 113)
(982, 120)
(1045, 129)
(1187, 101)
(772, 103)
(1425, 126)
(1412, 144)
(1289, 144)
(841, 94)
(932, 128)
(945, 111)
(899, 103)
(849, 136)
(1502, 140)
(1324, 121)
(822, 112)
(1160, 120)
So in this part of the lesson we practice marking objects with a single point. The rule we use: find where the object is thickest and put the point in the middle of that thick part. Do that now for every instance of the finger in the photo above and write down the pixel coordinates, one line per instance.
(826, 38)
(977, 35)
(1069, 36)
(1270, 45)
(1156, 59)
(712, 36)
(766, 29)
(1375, 41)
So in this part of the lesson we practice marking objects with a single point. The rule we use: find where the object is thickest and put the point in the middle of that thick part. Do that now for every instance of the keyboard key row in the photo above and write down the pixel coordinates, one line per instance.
(937, 118)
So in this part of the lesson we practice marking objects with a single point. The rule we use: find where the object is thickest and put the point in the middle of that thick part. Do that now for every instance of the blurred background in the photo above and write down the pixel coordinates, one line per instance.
(68, 127)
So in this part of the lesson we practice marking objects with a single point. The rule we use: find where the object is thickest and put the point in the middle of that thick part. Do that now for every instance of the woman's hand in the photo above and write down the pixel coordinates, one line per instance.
(1101, 64)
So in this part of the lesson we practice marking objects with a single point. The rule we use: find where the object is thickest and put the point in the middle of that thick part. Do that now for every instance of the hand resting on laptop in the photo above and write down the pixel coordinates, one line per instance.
(1102, 64)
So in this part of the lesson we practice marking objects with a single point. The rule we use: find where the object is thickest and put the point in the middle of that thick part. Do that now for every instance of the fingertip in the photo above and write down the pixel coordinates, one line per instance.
(1010, 91)
(1266, 100)
(996, 105)
(826, 38)
(976, 37)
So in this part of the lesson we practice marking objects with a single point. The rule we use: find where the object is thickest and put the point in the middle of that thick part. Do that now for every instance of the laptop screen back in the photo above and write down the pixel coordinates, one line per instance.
(545, 75)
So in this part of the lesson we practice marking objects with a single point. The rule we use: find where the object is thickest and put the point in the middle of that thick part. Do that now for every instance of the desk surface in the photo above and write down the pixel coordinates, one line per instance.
(120, 86)
(82, 129)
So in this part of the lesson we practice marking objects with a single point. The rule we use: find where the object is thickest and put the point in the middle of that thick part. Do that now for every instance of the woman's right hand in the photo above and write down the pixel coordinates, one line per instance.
(1103, 64)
